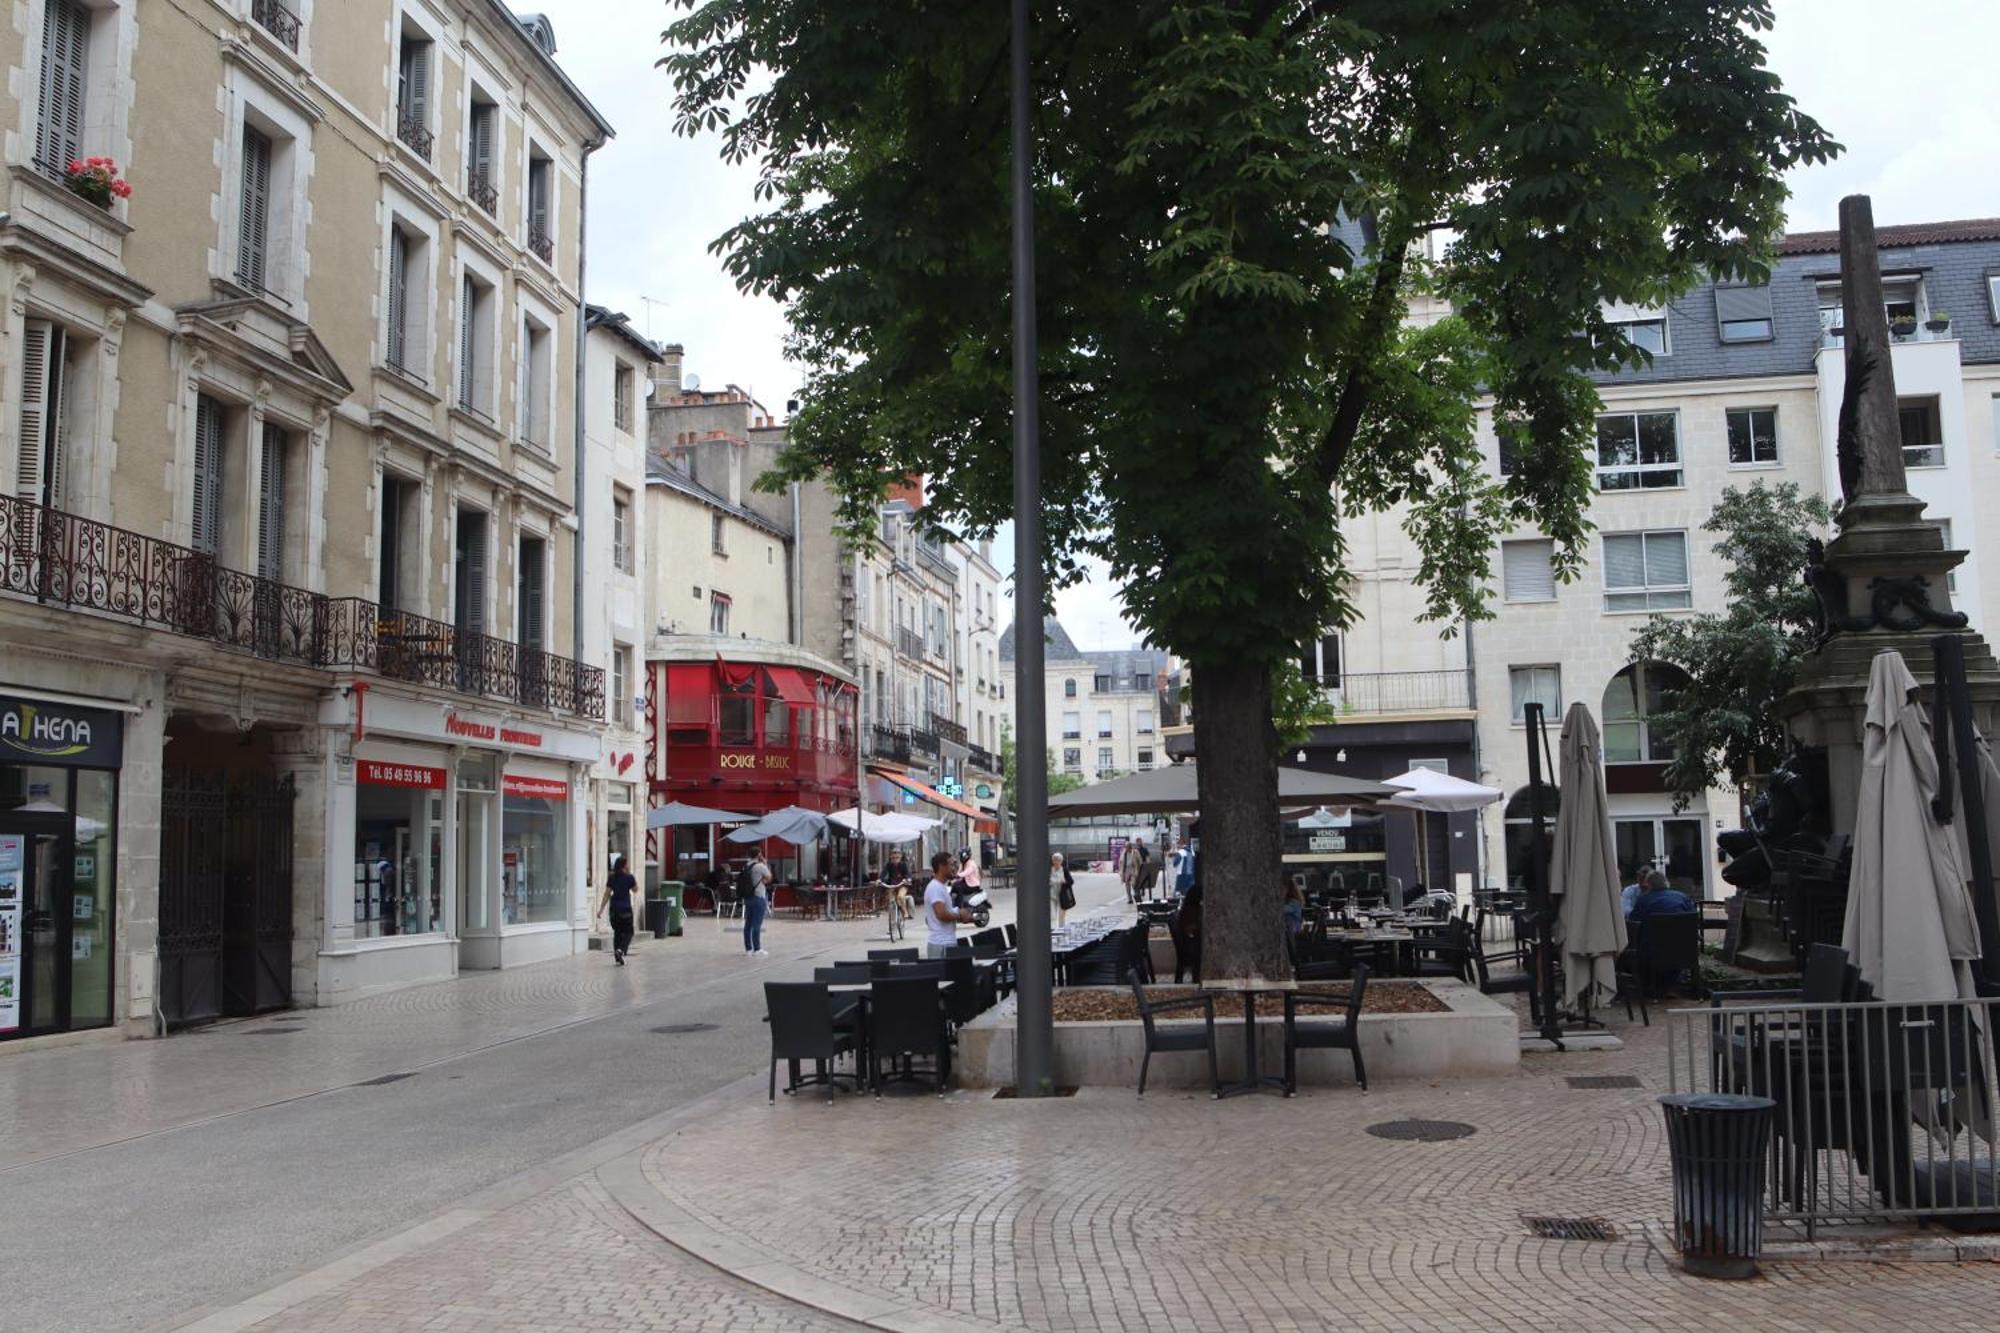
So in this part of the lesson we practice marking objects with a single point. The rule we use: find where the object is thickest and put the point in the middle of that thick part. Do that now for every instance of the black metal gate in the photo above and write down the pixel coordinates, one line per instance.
(225, 895)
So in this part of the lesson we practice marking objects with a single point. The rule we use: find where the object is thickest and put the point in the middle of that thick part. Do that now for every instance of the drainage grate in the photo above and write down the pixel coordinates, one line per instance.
(1605, 1081)
(1010, 1092)
(1570, 1228)
(682, 1029)
(386, 1078)
(1422, 1131)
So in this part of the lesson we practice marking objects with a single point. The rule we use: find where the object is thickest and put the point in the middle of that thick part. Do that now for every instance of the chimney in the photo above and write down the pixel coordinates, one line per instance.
(667, 374)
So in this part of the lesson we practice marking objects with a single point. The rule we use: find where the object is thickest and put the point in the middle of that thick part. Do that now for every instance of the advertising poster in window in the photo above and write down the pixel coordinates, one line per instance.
(13, 855)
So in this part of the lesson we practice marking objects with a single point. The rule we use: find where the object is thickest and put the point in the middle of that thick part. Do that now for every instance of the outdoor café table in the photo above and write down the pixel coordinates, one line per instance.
(1378, 941)
(833, 892)
(1254, 1080)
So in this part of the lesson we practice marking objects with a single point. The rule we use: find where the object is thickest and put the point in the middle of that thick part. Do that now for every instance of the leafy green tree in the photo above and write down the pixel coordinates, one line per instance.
(1722, 721)
(1059, 782)
(1235, 200)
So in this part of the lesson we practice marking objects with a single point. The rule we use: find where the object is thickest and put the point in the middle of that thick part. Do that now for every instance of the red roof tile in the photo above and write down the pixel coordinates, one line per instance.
(1909, 233)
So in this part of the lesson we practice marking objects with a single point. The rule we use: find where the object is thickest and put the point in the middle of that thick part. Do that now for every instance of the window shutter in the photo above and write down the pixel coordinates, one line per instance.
(391, 543)
(1625, 561)
(399, 283)
(252, 235)
(466, 348)
(65, 47)
(417, 86)
(538, 198)
(1733, 304)
(29, 475)
(1526, 572)
(475, 581)
(271, 506)
(207, 474)
(483, 117)
(530, 595)
(1666, 559)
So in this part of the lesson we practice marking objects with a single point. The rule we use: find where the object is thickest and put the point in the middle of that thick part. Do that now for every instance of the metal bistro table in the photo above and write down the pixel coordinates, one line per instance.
(833, 892)
(1254, 1079)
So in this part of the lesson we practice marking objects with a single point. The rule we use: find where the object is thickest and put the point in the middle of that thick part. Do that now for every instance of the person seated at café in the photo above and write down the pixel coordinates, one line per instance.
(1637, 886)
(1659, 899)
(1294, 906)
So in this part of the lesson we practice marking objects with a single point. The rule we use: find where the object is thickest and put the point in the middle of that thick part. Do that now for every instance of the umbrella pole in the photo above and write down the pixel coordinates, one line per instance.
(1538, 882)
(1948, 653)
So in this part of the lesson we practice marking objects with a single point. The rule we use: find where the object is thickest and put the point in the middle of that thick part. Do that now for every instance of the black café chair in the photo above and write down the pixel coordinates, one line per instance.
(894, 955)
(906, 1022)
(1177, 1038)
(972, 990)
(1097, 964)
(842, 974)
(1485, 961)
(805, 1025)
(1667, 945)
(1446, 953)
(1340, 1034)
(1011, 935)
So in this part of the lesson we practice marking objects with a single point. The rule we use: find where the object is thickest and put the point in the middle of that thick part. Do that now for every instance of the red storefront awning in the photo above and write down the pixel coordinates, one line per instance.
(982, 821)
(792, 687)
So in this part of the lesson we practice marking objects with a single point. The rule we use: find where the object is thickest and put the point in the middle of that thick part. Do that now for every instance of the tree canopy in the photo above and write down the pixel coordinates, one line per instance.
(1722, 722)
(1235, 202)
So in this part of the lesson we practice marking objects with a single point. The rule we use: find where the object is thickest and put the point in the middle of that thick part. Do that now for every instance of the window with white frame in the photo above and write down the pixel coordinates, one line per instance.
(1072, 726)
(43, 457)
(1535, 685)
(1645, 327)
(1753, 436)
(541, 206)
(1105, 760)
(1142, 722)
(624, 396)
(718, 613)
(59, 122)
(1069, 689)
(1993, 297)
(621, 529)
(1923, 431)
(718, 535)
(1646, 571)
(1902, 303)
(1319, 662)
(621, 685)
(1072, 759)
(1638, 451)
(1632, 699)
(1527, 570)
(1943, 525)
(537, 375)
(404, 342)
(253, 227)
(476, 303)
(482, 149)
(1743, 314)
(1103, 722)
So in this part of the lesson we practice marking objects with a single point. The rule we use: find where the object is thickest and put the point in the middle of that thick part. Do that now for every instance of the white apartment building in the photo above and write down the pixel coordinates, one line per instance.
(1745, 386)
(1104, 708)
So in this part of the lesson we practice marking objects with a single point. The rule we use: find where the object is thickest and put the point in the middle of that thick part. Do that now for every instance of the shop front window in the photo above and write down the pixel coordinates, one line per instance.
(618, 825)
(398, 856)
(534, 879)
(91, 899)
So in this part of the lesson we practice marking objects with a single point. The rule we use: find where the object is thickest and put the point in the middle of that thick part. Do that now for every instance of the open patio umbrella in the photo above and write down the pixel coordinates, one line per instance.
(675, 814)
(1321, 817)
(794, 824)
(892, 827)
(1429, 792)
(1910, 927)
(1171, 790)
(1584, 870)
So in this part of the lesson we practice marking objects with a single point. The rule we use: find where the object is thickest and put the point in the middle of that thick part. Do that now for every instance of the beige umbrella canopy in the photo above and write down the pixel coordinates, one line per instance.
(1910, 926)
(1584, 870)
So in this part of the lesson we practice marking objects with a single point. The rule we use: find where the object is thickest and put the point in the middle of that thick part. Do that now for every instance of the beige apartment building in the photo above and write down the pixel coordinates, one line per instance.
(290, 704)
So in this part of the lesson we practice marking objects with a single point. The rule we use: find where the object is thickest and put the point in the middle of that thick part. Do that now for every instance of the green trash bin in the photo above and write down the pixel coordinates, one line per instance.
(673, 914)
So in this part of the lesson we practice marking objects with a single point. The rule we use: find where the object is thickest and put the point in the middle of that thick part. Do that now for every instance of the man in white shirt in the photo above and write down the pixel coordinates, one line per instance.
(941, 914)
(1630, 898)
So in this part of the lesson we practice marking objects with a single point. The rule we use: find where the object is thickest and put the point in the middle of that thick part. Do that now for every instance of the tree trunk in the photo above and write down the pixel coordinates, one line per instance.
(1236, 774)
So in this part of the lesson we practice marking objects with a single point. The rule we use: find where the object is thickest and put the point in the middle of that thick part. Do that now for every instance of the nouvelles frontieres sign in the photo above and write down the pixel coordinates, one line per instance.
(377, 774)
(471, 728)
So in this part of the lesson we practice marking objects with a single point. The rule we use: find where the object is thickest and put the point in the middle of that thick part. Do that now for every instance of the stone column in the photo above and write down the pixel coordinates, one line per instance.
(306, 756)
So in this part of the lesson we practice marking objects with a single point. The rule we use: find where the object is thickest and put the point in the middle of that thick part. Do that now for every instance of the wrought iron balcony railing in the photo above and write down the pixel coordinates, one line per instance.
(410, 128)
(543, 244)
(891, 743)
(278, 20)
(59, 559)
(484, 193)
(948, 729)
(981, 758)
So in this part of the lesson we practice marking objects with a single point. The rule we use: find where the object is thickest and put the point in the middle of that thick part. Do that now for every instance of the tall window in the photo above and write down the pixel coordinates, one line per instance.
(38, 468)
(623, 396)
(1753, 436)
(475, 345)
(1104, 760)
(397, 495)
(65, 57)
(206, 532)
(621, 685)
(1069, 689)
(1103, 722)
(1319, 662)
(536, 370)
(1638, 451)
(718, 613)
(482, 144)
(1143, 722)
(1631, 700)
(1535, 685)
(469, 572)
(1943, 525)
(541, 199)
(531, 584)
(1072, 726)
(1923, 431)
(1527, 570)
(253, 235)
(1646, 571)
(413, 93)
(621, 530)
(718, 541)
(271, 503)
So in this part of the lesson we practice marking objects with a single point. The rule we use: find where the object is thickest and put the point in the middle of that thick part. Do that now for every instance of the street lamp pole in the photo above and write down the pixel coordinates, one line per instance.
(1034, 968)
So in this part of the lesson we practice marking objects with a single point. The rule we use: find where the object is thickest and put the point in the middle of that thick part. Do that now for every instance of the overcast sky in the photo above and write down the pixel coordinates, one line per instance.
(1907, 87)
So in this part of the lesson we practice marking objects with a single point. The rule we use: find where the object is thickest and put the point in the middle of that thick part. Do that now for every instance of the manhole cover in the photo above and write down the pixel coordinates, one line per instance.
(1010, 1092)
(681, 1029)
(269, 1032)
(1571, 1228)
(386, 1078)
(1422, 1131)
(1605, 1081)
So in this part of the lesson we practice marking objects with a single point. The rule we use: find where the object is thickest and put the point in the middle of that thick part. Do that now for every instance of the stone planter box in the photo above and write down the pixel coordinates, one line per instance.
(1477, 1037)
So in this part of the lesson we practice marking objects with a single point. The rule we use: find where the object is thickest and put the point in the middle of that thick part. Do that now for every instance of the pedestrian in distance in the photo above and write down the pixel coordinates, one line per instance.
(941, 914)
(896, 879)
(756, 904)
(1132, 868)
(619, 887)
(1062, 888)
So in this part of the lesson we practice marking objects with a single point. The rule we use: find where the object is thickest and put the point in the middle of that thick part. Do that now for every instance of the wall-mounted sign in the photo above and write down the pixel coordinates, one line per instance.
(1329, 842)
(33, 731)
(378, 774)
(480, 729)
(547, 789)
(750, 759)
(984, 791)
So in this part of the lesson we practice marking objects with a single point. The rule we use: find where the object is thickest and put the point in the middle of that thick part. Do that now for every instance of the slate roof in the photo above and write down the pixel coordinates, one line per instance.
(1057, 646)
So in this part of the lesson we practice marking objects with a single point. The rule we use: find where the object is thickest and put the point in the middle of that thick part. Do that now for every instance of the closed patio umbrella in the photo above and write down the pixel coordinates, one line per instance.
(1910, 927)
(1590, 927)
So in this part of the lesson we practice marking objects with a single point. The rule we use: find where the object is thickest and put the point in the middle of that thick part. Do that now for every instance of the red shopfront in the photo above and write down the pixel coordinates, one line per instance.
(749, 737)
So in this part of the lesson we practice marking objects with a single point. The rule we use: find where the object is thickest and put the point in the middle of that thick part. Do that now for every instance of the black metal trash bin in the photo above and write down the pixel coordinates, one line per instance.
(1718, 1143)
(656, 917)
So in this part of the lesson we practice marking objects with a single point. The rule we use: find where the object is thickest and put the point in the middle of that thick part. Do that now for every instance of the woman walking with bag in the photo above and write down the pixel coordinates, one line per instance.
(1062, 887)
